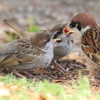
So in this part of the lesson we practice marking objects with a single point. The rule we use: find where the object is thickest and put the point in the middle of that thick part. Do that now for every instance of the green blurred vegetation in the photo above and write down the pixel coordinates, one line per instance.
(11, 36)
(32, 27)
(51, 91)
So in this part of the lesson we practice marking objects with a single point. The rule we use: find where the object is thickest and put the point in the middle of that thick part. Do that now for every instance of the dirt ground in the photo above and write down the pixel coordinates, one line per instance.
(46, 14)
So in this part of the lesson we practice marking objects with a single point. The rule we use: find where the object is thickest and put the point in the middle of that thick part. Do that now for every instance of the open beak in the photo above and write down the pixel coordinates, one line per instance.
(67, 30)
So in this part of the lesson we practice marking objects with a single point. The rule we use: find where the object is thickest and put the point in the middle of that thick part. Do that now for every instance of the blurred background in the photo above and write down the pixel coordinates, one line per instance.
(46, 14)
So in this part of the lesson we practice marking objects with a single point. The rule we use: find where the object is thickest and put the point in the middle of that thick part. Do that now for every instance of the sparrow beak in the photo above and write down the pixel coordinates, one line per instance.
(55, 37)
(56, 40)
(67, 30)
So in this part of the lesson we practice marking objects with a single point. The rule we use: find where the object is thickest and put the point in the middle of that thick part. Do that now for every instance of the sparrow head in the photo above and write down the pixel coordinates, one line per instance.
(82, 21)
(57, 27)
(61, 30)
(40, 39)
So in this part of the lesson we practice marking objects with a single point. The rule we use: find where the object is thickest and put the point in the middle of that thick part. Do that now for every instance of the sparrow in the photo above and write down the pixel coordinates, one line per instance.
(62, 47)
(90, 40)
(28, 54)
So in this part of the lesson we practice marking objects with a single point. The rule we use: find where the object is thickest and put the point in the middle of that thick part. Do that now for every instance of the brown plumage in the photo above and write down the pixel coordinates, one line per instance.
(26, 54)
(90, 41)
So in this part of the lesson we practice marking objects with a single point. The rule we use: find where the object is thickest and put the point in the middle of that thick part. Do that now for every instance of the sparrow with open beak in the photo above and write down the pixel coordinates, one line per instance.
(64, 46)
(90, 41)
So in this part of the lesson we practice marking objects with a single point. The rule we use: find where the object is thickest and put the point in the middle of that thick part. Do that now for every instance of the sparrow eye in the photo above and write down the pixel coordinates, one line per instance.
(48, 40)
(59, 31)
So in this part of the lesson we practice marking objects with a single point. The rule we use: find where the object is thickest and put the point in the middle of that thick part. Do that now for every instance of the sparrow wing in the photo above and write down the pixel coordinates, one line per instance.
(25, 53)
(91, 44)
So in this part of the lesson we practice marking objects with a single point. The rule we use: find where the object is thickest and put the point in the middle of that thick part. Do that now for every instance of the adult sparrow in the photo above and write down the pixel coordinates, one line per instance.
(62, 47)
(28, 54)
(90, 41)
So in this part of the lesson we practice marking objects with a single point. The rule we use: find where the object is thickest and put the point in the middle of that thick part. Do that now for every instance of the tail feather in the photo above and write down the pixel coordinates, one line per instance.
(15, 25)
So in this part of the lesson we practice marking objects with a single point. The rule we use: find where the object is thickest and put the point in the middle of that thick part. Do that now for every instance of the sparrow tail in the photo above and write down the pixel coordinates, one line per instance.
(16, 26)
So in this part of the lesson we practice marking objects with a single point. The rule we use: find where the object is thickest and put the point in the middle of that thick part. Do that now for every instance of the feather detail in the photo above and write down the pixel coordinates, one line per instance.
(91, 44)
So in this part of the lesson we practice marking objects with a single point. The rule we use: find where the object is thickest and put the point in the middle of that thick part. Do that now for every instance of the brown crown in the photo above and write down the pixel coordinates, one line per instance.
(85, 19)
(39, 39)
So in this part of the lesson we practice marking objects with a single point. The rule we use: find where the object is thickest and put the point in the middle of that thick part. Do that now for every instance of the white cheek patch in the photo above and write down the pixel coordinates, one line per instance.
(83, 30)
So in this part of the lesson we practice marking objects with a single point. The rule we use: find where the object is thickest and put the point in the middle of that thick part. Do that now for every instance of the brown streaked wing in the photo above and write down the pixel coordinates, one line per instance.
(91, 44)
(26, 53)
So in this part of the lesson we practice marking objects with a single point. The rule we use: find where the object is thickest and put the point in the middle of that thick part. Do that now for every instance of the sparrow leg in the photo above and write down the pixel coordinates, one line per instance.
(61, 68)
(25, 73)
(18, 74)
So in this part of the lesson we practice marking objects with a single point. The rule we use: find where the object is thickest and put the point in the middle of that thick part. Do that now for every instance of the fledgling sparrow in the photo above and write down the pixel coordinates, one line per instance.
(90, 41)
(28, 54)
(64, 46)
(61, 48)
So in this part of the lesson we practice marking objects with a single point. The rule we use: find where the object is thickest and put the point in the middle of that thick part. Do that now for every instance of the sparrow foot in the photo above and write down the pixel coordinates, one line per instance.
(61, 68)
